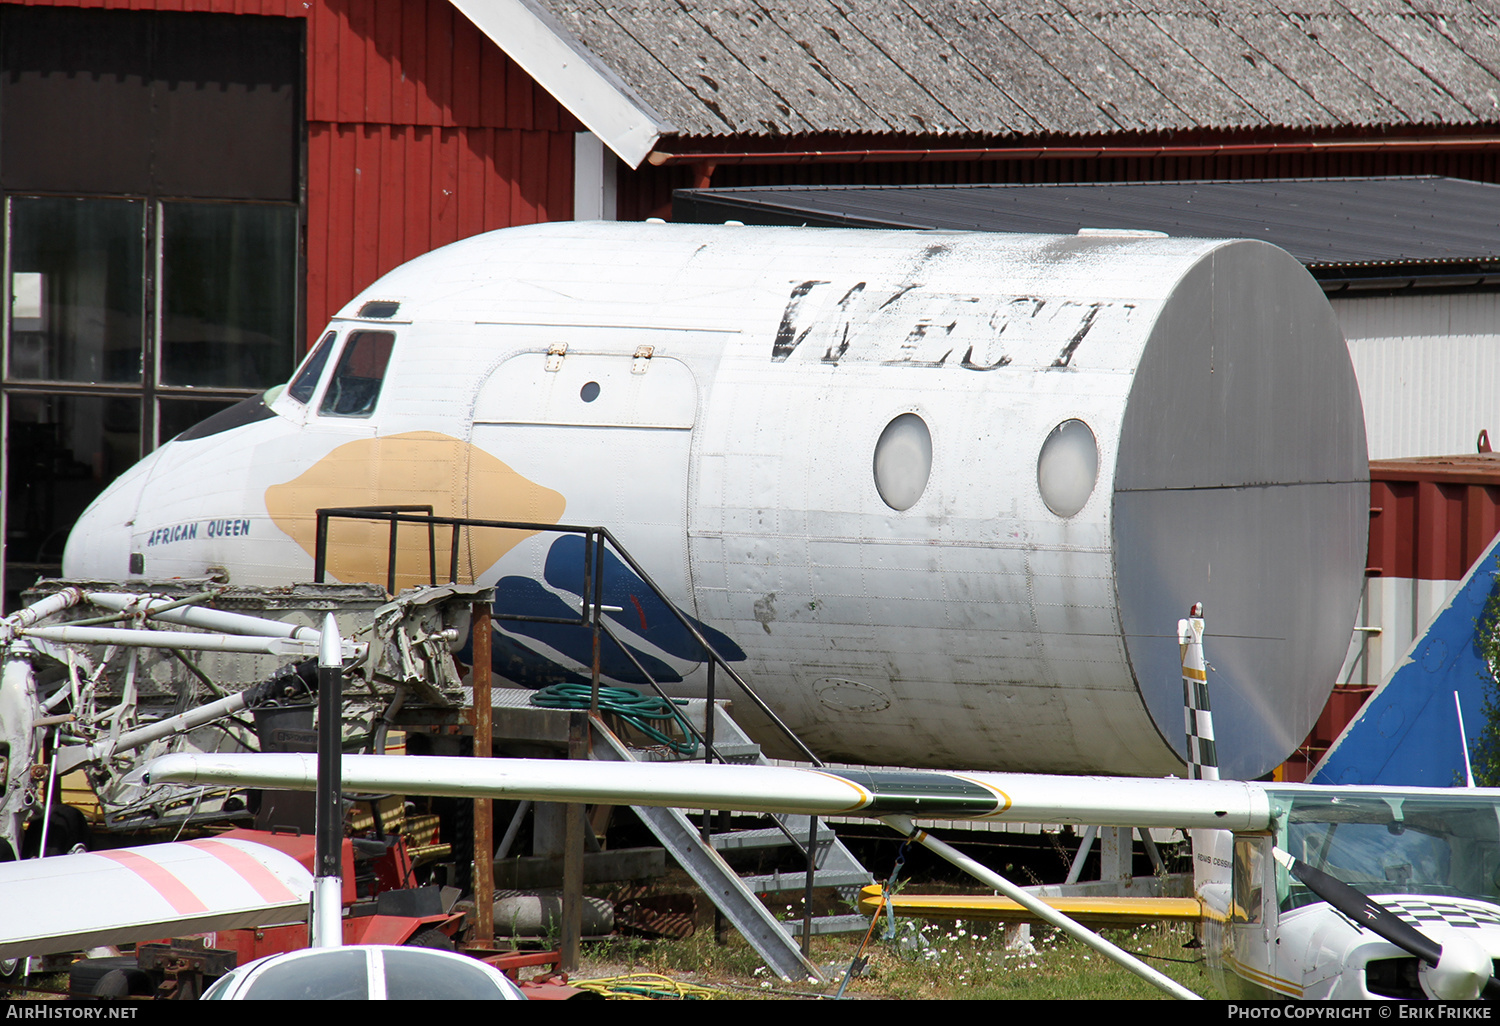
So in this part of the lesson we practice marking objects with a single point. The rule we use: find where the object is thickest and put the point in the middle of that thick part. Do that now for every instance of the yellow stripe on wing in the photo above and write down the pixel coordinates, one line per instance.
(1100, 911)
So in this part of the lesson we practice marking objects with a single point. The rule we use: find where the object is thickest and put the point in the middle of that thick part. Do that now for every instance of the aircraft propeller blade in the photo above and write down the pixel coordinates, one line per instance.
(1467, 973)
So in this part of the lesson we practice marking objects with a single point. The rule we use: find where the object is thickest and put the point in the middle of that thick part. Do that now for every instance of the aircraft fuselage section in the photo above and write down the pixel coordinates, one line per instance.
(928, 484)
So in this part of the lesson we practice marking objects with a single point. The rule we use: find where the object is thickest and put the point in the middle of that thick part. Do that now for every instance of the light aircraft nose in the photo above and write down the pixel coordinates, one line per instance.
(1463, 970)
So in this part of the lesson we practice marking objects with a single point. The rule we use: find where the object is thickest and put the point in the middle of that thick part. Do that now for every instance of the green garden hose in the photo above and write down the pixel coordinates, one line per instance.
(636, 709)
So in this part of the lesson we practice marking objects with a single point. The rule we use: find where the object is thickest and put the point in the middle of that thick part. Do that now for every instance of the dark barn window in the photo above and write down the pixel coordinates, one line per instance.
(153, 204)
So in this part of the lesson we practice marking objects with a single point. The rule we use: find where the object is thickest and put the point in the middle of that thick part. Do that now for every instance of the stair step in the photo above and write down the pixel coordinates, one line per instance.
(829, 924)
(796, 880)
(734, 751)
(731, 752)
(764, 837)
(737, 896)
(749, 752)
(738, 903)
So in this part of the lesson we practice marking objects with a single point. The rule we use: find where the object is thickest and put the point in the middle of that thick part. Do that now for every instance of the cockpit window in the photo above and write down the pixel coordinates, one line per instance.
(306, 381)
(356, 381)
(1380, 845)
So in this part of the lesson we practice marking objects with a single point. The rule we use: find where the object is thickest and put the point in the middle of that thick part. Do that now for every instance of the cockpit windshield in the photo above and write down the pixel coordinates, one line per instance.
(305, 381)
(1393, 844)
(356, 381)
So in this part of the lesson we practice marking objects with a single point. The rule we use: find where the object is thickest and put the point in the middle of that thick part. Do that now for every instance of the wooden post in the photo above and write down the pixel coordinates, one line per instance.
(573, 828)
(484, 825)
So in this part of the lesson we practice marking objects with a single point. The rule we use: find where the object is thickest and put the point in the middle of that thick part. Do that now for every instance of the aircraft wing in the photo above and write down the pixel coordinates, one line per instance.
(1017, 797)
(72, 902)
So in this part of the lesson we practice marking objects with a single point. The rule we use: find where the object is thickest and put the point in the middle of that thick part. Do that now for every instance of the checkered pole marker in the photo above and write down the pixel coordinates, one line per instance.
(1203, 760)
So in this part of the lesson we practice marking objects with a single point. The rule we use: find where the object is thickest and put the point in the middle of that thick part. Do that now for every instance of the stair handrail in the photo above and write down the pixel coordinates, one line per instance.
(594, 540)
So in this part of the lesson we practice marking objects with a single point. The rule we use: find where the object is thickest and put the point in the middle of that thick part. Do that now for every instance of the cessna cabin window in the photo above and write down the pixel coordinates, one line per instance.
(356, 381)
(306, 381)
(1437, 845)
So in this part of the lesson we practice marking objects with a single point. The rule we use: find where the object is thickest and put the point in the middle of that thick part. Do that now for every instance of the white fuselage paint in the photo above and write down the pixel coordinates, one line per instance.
(745, 376)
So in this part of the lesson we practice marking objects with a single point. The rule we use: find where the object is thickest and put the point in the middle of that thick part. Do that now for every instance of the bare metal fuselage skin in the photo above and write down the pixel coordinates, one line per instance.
(716, 398)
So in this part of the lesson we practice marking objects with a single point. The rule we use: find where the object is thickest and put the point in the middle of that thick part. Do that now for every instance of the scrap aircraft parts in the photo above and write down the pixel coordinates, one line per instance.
(79, 693)
(942, 488)
(420, 629)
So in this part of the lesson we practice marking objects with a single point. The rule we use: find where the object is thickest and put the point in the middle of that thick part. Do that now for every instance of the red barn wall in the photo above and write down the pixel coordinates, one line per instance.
(420, 132)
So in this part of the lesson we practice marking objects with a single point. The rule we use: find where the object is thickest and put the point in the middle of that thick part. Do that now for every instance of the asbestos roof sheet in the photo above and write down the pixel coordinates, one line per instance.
(1328, 224)
(1002, 68)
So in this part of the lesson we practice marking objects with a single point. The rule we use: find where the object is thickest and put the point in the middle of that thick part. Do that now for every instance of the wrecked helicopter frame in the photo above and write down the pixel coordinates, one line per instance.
(103, 681)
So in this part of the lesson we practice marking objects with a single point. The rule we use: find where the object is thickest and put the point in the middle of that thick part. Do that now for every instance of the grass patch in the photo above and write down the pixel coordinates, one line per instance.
(935, 961)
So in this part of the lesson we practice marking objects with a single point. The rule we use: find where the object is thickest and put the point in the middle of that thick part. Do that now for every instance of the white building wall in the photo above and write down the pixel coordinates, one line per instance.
(1428, 366)
(1393, 613)
(594, 191)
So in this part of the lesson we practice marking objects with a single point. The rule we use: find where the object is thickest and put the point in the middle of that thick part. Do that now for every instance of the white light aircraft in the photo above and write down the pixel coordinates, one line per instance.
(940, 489)
(1307, 891)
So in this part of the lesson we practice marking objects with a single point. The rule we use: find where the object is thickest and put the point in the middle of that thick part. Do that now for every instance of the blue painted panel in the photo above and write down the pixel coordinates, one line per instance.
(643, 618)
(1407, 733)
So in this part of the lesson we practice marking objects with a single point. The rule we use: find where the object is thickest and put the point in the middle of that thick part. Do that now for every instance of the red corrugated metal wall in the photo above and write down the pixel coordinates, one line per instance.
(420, 132)
(1430, 525)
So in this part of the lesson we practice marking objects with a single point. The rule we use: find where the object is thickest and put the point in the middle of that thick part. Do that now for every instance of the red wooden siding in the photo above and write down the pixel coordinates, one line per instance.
(378, 195)
(420, 132)
(416, 62)
(279, 8)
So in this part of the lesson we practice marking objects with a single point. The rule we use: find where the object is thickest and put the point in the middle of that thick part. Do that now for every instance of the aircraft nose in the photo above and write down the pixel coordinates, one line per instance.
(99, 546)
(1464, 968)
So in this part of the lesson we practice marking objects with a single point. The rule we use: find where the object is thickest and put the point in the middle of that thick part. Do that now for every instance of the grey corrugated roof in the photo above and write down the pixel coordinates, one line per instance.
(1053, 67)
(1340, 227)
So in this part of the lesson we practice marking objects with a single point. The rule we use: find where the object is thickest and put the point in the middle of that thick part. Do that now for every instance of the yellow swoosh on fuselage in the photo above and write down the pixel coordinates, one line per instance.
(417, 468)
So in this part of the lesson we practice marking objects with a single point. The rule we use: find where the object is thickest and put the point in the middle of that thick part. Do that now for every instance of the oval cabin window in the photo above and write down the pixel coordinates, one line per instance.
(1068, 467)
(903, 461)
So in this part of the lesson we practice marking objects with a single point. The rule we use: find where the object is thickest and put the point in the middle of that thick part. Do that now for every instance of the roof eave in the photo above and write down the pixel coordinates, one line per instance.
(529, 35)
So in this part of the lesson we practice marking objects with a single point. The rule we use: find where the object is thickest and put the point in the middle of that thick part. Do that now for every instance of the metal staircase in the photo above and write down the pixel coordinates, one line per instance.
(736, 896)
(722, 739)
